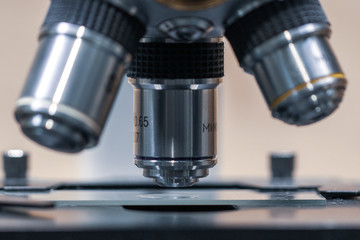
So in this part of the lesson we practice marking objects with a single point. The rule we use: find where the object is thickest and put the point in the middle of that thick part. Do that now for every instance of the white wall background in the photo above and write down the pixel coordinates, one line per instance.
(247, 133)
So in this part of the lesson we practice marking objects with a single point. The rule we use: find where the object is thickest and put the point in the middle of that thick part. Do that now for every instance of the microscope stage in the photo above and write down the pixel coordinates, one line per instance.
(176, 197)
(116, 210)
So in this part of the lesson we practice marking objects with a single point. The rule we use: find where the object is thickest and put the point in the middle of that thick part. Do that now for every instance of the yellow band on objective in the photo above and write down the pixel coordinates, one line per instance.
(302, 86)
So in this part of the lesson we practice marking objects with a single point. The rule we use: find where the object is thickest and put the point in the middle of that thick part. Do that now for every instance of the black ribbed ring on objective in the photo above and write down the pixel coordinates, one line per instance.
(178, 60)
(99, 16)
(270, 20)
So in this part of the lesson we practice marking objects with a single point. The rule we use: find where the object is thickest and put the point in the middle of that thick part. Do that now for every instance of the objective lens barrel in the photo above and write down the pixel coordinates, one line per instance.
(317, 81)
(76, 73)
(175, 110)
(285, 45)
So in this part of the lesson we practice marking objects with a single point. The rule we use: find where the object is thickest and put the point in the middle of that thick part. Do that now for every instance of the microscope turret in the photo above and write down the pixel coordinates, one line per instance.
(174, 55)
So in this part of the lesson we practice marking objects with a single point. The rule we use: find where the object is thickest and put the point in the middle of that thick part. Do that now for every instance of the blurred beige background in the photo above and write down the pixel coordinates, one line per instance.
(247, 133)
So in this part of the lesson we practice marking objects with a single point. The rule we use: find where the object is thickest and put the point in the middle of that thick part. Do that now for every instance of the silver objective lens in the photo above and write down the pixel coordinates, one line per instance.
(70, 88)
(284, 44)
(300, 77)
(76, 74)
(175, 119)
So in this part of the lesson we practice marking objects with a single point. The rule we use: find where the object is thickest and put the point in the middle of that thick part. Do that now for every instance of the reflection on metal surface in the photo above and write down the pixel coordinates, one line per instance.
(175, 173)
(186, 28)
(302, 86)
(23, 202)
(190, 5)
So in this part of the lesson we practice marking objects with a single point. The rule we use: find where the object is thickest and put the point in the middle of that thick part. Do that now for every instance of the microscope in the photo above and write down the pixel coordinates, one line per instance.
(173, 53)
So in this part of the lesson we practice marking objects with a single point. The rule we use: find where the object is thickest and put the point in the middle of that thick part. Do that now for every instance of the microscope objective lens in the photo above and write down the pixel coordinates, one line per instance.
(173, 55)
